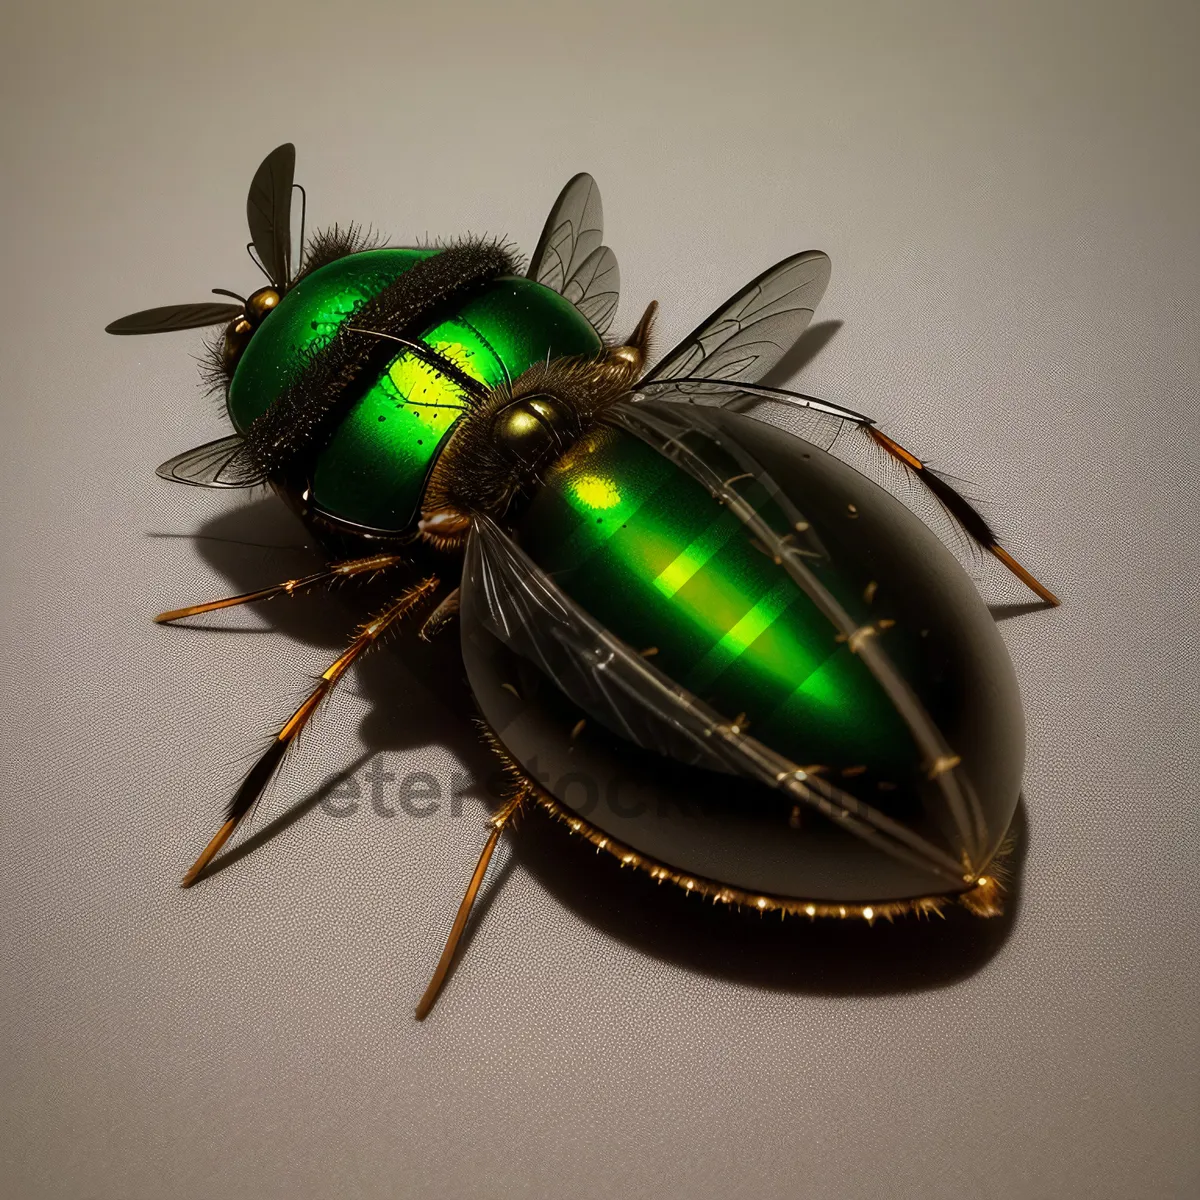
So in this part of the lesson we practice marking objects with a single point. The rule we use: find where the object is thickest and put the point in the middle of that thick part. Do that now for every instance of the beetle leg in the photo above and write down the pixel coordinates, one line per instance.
(498, 823)
(437, 619)
(260, 774)
(342, 570)
(961, 509)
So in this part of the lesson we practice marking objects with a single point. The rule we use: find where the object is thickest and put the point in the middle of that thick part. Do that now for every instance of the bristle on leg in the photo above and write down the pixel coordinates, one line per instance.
(290, 587)
(985, 899)
(253, 786)
(961, 510)
(499, 822)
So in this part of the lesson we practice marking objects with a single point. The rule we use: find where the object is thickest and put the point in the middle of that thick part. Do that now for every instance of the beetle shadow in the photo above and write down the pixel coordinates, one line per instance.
(417, 692)
(1005, 612)
(767, 950)
(418, 697)
(806, 347)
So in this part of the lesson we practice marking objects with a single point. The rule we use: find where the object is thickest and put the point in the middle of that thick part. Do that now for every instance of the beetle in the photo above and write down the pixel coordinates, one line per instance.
(786, 686)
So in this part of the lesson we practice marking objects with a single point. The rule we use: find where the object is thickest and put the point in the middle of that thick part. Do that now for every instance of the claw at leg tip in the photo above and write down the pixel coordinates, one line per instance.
(195, 871)
(209, 852)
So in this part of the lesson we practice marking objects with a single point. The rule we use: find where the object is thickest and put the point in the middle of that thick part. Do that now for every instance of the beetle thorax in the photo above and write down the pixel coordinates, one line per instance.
(512, 435)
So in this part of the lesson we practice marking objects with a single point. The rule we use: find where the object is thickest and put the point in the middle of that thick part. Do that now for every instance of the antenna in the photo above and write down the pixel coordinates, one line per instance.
(472, 387)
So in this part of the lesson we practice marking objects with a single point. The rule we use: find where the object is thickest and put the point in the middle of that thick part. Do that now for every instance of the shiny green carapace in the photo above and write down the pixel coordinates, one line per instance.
(652, 555)
(372, 470)
(647, 552)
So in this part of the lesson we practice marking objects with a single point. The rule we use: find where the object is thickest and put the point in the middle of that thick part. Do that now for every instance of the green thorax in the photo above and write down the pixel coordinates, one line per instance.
(650, 554)
(374, 466)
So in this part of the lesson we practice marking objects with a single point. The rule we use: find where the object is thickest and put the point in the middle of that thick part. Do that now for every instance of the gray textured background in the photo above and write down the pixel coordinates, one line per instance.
(1009, 195)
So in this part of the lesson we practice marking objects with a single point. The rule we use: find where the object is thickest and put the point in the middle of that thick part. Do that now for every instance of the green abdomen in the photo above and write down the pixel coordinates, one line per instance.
(373, 467)
(649, 552)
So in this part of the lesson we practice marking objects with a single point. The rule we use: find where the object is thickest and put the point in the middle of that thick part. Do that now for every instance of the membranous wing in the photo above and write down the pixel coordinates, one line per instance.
(595, 288)
(521, 605)
(817, 421)
(223, 463)
(172, 317)
(269, 213)
(510, 596)
(706, 448)
(753, 330)
(570, 258)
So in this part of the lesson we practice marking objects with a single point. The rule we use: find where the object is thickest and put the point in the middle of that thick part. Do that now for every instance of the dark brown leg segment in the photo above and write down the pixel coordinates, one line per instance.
(961, 509)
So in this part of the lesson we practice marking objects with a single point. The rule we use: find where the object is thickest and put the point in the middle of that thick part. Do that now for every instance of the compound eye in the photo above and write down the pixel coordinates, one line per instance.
(260, 303)
(237, 337)
(534, 429)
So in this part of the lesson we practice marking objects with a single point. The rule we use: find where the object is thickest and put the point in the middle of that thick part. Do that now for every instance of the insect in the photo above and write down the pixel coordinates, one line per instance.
(785, 689)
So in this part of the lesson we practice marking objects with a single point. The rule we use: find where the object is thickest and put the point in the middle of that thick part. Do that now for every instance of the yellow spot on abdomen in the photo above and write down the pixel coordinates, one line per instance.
(596, 492)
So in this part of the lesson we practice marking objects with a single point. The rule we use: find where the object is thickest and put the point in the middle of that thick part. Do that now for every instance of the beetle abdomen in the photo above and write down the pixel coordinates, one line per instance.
(649, 552)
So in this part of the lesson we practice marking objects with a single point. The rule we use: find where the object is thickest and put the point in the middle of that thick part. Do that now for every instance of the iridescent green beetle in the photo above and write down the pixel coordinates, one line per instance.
(783, 687)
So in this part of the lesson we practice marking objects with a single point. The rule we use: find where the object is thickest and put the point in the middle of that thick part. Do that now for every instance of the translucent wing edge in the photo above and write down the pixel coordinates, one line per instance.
(954, 519)
(269, 212)
(755, 327)
(527, 611)
(573, 231)
(714, 392)
(595, 288)
(223, 463)
(664, 427)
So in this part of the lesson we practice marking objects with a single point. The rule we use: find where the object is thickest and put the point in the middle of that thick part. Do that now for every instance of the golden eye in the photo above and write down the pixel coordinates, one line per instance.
(535, 428)
(260, 303)
(237, 337)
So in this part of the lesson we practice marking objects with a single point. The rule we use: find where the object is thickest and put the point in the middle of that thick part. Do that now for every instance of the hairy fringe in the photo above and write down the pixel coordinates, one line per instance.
(215, 374)
(330, 373)
(985, 899)
(475, 473)
(328, 245)
(504, 245)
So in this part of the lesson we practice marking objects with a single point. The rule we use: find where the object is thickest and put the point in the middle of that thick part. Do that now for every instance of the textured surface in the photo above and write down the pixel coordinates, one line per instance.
(1008, 196)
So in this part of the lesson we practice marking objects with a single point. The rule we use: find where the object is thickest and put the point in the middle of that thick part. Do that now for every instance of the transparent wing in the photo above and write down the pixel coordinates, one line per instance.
(817, 421)
(570, 259)
(173, 317)
(573, 230)
(515, 601)
(269, 212)
(223, 463)
(749, 334)
(519, 604)
(595, 288)
(706, 449)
